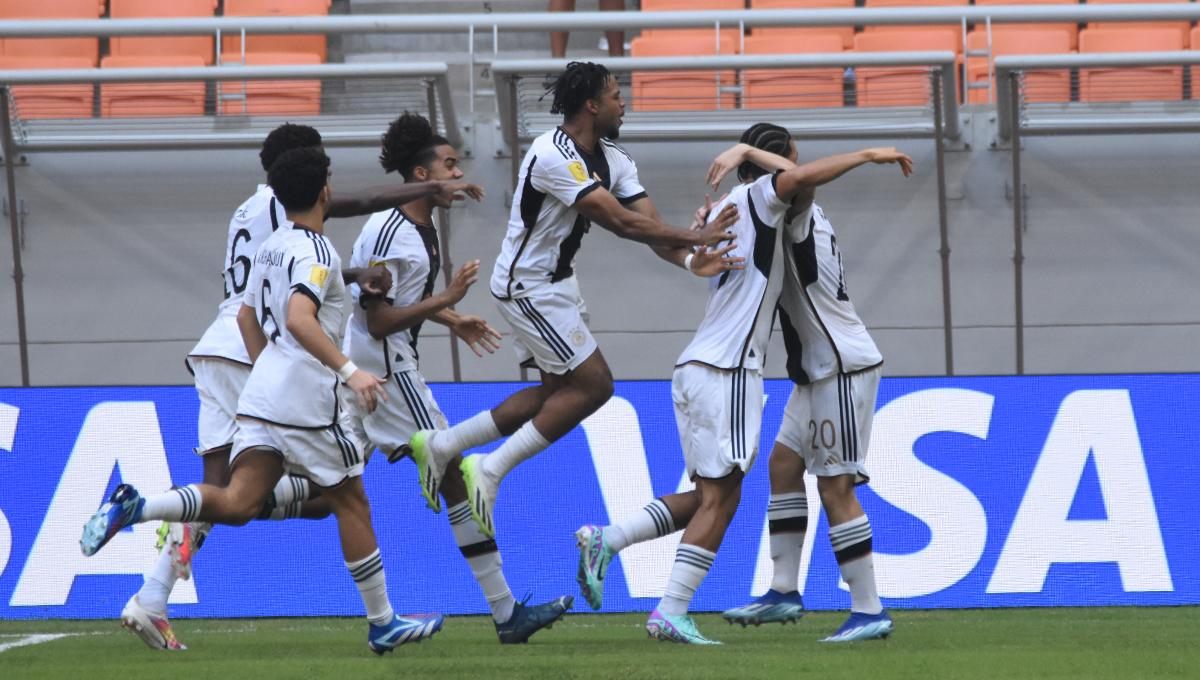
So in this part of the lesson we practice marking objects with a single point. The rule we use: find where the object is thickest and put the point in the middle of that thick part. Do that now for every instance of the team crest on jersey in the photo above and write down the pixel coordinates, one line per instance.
(578, 337)
(318, 275)
(577, 171)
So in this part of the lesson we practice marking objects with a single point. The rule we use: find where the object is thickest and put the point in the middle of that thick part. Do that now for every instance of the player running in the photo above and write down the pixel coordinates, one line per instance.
(835, 367)
(220, 366)
(291, 418)
(572, 176)
(382, 338)
(717, 386)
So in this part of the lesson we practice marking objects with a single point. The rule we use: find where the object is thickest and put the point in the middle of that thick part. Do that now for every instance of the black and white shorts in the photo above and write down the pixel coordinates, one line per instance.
(719, 414)
(829, 423)
(550, 328)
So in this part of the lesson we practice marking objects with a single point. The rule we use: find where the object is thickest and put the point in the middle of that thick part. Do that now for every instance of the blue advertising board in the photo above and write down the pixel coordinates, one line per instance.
(985, 492)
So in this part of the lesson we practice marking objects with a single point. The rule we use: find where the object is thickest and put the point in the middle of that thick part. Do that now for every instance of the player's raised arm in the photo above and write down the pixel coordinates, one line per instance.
(479, 335)
(601, 207)
(704, 261)
(803, 180)
(383, 319)
(367, 201)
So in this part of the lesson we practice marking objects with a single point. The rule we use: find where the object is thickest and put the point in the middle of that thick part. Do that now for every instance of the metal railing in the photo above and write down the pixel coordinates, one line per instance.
(939, 121)
(1018, 119)
(201, 132)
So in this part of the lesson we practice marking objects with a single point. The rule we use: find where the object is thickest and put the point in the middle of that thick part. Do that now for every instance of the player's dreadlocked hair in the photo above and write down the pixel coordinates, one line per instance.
(583, 80)
(409, 142)
(767, 137)
(284, 138)
(298, 176)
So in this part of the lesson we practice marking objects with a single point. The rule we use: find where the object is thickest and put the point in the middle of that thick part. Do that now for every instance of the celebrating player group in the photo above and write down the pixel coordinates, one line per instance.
(311, 366)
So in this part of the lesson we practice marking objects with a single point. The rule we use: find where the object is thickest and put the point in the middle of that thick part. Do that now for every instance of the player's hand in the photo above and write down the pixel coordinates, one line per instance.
(889, 154)
(457, 190)
(726, 163)
(700, 218)
(463, 279)
(374, 280)
(708, 262)
(477, 333)
(369, 389)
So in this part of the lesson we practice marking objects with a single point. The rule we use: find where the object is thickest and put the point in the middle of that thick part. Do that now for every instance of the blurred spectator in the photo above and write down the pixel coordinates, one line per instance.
(616, 39)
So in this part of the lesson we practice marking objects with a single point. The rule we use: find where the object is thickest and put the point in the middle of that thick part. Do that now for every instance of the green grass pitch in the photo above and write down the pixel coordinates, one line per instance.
(1124, 643)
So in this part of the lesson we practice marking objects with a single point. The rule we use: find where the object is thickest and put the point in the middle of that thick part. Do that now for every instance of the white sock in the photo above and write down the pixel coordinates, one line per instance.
(291, 511)
(372, 586)
(691, 566)
(523, 445)
(650, 522)
(483, 557)
(787, 521)
(852, 547)
(477, 430)
(158, 584)
(181, 504)
(284, 503)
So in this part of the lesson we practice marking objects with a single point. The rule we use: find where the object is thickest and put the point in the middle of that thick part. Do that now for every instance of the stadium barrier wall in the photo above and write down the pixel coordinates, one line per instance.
(985, 492)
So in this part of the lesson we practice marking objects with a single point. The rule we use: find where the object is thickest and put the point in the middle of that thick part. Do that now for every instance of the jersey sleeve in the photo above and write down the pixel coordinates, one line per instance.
(311, 272)
(767, 204)
(626, 185)
(562, 176)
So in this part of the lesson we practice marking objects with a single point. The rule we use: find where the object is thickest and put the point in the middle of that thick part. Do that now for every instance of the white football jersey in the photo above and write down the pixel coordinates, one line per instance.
(741, 304)
(411, 253)
(288, 386)
(254, 220)
(544, 229)
(821, 330)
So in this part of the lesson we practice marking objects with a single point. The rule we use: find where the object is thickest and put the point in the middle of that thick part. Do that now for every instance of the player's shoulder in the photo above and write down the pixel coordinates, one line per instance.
(253, 206)
(304, 242)
(554, 147)
(615, 151)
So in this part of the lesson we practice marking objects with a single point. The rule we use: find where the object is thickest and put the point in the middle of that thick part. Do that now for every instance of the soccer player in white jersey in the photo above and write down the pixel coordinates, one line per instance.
(382, 338)
(717, 391)
(220, 365)
(572, 176)
(291, 419)
(835, 367)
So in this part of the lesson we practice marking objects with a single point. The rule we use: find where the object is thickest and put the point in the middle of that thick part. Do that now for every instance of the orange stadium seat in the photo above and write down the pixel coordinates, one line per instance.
(901, 85)
(173, 45)
(1040, 86)
(799, 88)
(1182, 26)
(681, 90)
(52, 48)
(1130, 84)
(271, 97)
(797, 32)
(925, 30)
(1071, 29)
(146, 100)
(693, 6)
(51, 101)
(231, 46)
(1195, 69)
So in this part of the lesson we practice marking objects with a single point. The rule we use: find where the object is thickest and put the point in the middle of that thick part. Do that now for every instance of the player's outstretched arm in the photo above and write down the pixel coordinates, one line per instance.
(303, 325)
(604, 209)
(803, 180)
(731, 158)
(252, 333)
(367, 201)
(473, 330)
(383, 319)
(704, 261)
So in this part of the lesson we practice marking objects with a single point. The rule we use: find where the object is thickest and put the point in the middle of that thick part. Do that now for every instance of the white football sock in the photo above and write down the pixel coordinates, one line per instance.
(477, 430)
(483, 557)
(851, 543)
(691, 566)
(650, 522)
(372, 586)
(787, 520)
(523, 445)
(158, 584)
(181, 504)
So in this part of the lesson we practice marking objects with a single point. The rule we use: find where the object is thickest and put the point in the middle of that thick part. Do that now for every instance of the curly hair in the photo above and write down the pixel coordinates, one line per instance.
(583, 80)
(284, 138)
(765, 136)
(298, 176)
(408, 143)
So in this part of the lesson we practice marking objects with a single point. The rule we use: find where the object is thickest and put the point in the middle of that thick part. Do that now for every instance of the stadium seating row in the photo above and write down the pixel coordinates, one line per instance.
(161, 99)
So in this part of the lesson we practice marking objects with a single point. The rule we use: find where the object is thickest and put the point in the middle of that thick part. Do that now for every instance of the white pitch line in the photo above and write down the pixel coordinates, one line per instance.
(33, 640)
